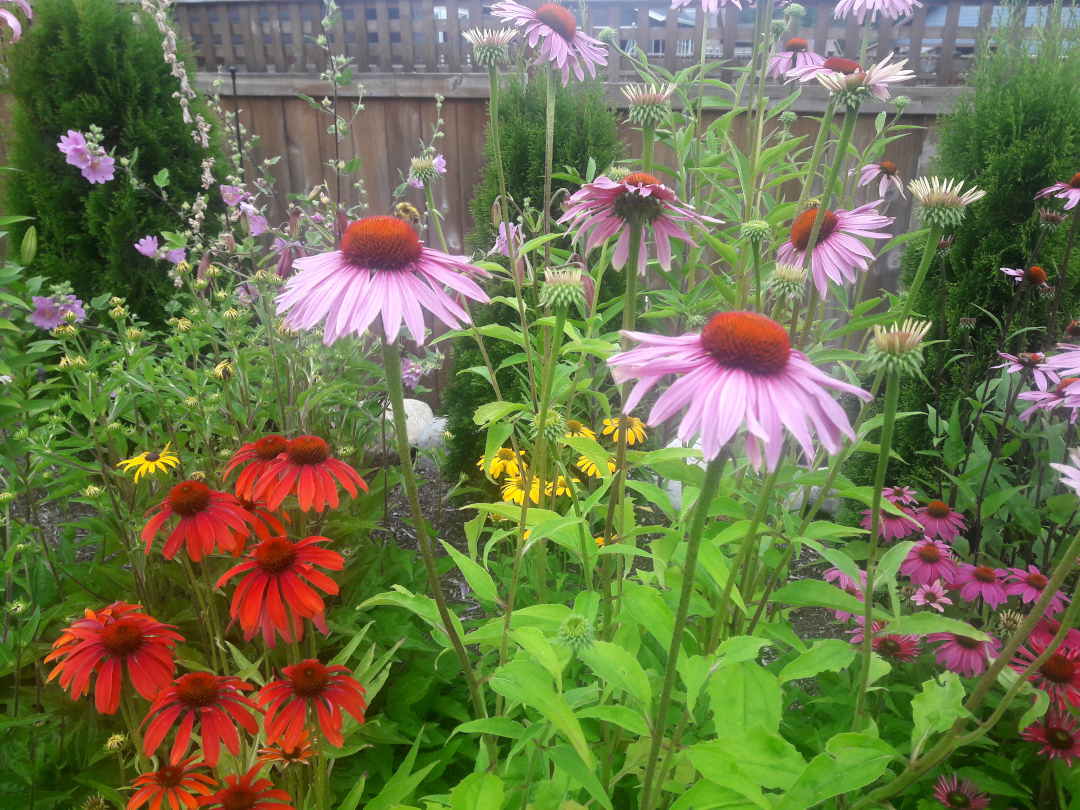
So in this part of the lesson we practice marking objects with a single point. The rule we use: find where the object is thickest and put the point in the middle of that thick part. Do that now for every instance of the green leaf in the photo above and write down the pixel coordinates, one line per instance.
(161, 179)
(620, 669)
(477, 791)
(764, 757)
(852, 761)
(479, 580)
(817, 593)
(648, 609)
(581, 772)
(495, 411)
(936, 707)
(619, 715)
(352, 165)
(929, 622)
(534, 642)
(499, 726)
(353, 798)
(829, 655)
(743, 696)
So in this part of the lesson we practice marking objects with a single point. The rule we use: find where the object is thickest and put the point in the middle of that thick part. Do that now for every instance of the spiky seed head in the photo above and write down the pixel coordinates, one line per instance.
(562, 287)
(576, 633)
(942, 202)
(898, 349)
(491, 47)
(788, 281)
(755, 230)
(649, 104)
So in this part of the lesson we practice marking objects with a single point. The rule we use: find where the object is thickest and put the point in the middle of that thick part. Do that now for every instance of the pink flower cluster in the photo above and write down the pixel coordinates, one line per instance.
(96, 166)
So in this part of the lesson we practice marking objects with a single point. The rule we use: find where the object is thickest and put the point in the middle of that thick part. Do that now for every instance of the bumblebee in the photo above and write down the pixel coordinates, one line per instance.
(407, 213)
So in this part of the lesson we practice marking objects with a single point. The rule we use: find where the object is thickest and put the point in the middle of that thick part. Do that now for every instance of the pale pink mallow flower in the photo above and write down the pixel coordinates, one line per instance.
(838, 251)
(381, 271)
(740, 372)
(1070, 192)
(847, 584)
(604, 207)
(932, 596)
(939, 520)
(796, 54)
(893, 9)
(1029, 586)
(100, 170)
(76, 150)
(11, 21)
(148, 247)
(890, 527)
(561, 43)
(708, 6)
(964, 655)
(886, 173)
(929, 561)
(984, 581)
(1035, 362)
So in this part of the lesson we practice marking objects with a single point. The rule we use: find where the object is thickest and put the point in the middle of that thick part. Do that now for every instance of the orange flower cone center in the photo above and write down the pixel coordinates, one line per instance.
(985, 574)
(967, 642)
(1060, 738)
(197, 689)
(270, 447)
(748, 341)
(938, 509)
(381, 243)
(169, 776)
(153, 456)
(238, 798)
(1065, 383)
(307, 450)
(888, 167)
(929, 554)
(1035, 275)
(804, 225)
(1075, 182)
(309, 679)
(796, 44)
(842, 65)
(1058, 669)
(122, 637)
(189, 498)
(558, 19)
(640, 179)
(275, 555)
(1037, 581)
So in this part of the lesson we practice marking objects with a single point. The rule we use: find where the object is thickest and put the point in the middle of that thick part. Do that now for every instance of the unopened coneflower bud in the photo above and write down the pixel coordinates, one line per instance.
(183, 325)
(231, 314)
(898, 349)
(65, 330)
(491, 47)
(795, 11)
(754, 230)
(942, 202)
(944, 244)
(115, 742)
(7, 497)
(967, 325)
(1050, 219)
(608, 35)
(200, 283)
(212, 398)
(91, 491)
(117, 313)
(787, 118)
(778, 27)
(182, 268)
(562, 288)
(649, 104)
(554, 425)
(422, 169)
(69, 317)
(117, 301)
(900, 102)
(17, 607)
(213, 271)
(221, 295)
(576, 633)
(223, 371)
(618, 173)
(1009, 622)
(788, 281)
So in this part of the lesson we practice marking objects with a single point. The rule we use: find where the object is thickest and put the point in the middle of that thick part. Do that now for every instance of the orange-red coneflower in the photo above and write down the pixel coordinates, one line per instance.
(207, 517)
(256, 456)
(172, 786)
(248, 792)
(306, 469)
(309, 684)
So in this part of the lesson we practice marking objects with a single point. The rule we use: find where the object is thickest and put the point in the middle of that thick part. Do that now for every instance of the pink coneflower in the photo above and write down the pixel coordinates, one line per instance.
(886, 8)
(939, 520)
(563, 44)
(12, 22)
(932, 596)
(1029, 586)
(741, 370)
(1058, 676)
(100, 169)
(885, 172)
(1058, 734)
(1047, 627)
(846, 78)
(964, 655)
(1034, 275)
(1057, 397)
(839, 251)
(708, 6)
(1029, 361)
(984, 581)
(928, 561)
(959, 795)
(75, 149)
(890, 527)
(899, 647)
(148, 246)
(1070, 192)
(847, 584)
(603, 208)
(796, 54)
(382, 270)
(1070, 473)
(901, 496)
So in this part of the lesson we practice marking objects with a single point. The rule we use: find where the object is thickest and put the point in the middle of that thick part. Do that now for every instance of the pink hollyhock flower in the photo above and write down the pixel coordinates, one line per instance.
(12, 22)
(1034, 275)
(899, 647)
(1058, 676)
(741, 370)
(796, 53)
(886, 8)
(959, 795)
(885, 172)
(839, 251)
(1058, 734)
(148, 246)
(440, 164)
(176, 256)
(1057, 397)
(984, 581)
(901, 496)
(890, 527)
(939, 520)
(1047, 627)
(75, 149)
(847, 584)
(708, 6)
(603, 208)
(964, 655)
(1029, 586)
(49, 312)
(1070, 192)
(501, 246)
(100, 169)
(233, 195)
(928, 561)
(1029, 361)
(382, 270)
(256, 221)
(563, 44)
(932, 596)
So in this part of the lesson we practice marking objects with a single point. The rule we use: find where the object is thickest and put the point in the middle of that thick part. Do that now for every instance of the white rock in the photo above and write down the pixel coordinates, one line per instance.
(433, 441)
(417, 415)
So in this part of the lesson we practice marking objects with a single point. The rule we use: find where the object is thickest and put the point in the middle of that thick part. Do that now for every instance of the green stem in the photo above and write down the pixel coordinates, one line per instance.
(549, 145)
(392, 366)
(435, 215)
(1060, 291)
(755, 246)
(932, 239)
(709, 488)
(648, 137)
(892, 397)
(815, 155)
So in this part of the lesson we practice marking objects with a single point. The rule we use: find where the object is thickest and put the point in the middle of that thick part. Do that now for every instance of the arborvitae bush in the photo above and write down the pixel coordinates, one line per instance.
(1017, 131)
(585, 127)
(86, 62)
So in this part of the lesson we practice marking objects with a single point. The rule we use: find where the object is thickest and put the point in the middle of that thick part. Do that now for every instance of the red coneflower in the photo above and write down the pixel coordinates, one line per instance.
(215, 701)
(306, 469)
(267, 524)
(172, 785)
(309, 684)
(110, 642)
(1058, 734)
(279, 573)
(1059, 675)
(207, 517)
(248, 792)
(959, 795)
(259, 455)
(279, 754)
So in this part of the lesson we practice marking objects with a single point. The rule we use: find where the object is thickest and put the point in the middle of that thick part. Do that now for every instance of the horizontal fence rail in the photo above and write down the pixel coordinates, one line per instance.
(425, 36)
